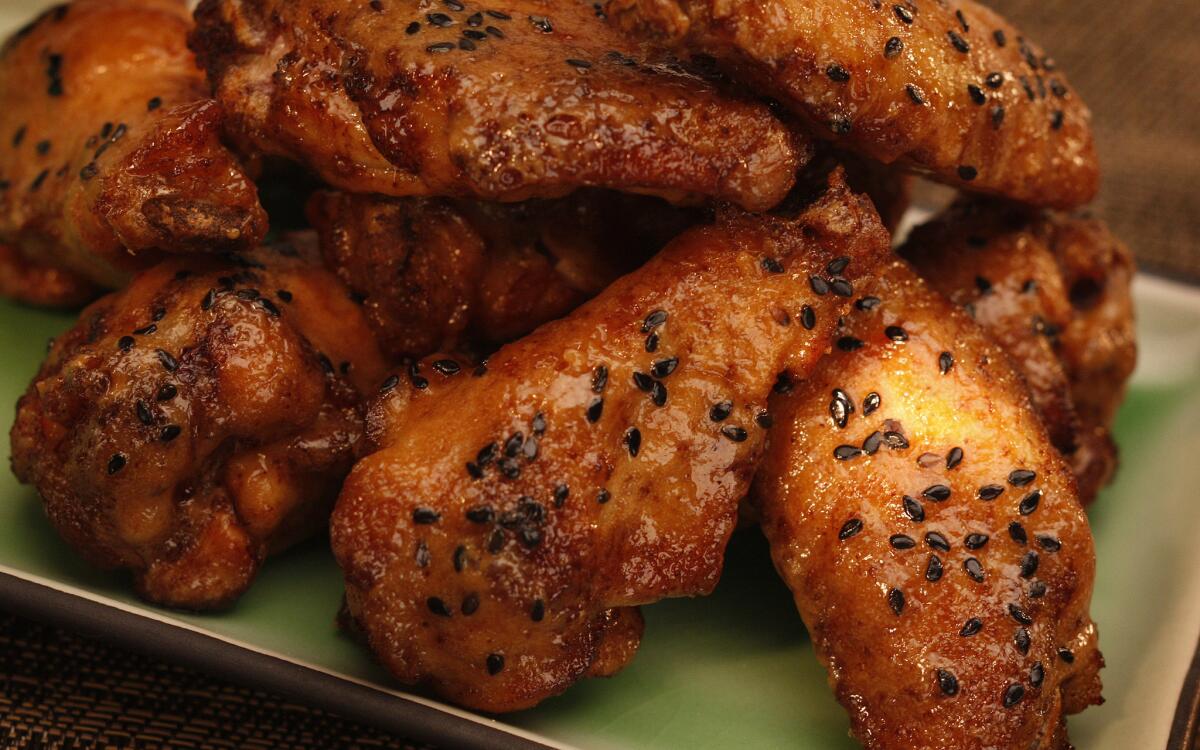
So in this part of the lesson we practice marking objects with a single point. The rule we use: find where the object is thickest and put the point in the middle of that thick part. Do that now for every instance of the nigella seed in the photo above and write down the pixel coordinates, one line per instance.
(594, 410)
(850, 528)
(764, 420)
(1049, 543)
(934, 569)
(936, 492)
(808, 318)
(1029, 503)
(1037, 673)
(143, 413)
(437, 606)
(850, 344)
(958, 42)
(170, 432)
(599, 379)
(945, 362)
(480, 514)
(1020, 615)
(971, 627)
(561, 493)
(896, 333)
(633, 441)
(538, 611)
(954, 457)
(893, 47)
(470, 604)
(1029, 564)
(990, 491)
(976, 94)
(871, 444)
(603, 496)
(720, 411)
(116, 463)
(734, 433)
(495, 663)
(915, 93)
(423, 515)
(975, 541)
(867, 303)
(664, 367)
(166, 392)
(1066, 655)
(819, 285)
(913, 509)
(938, 541)
(1017, 532)
(847, 452)
(837, 265)
(902, 541)
(871, 403)
(947, 682)
(895, 600)
(904, 14)
(770, 265)
(1013, 694)
(974, 569)
(654, 320)
(837, 73)
(1021, 477)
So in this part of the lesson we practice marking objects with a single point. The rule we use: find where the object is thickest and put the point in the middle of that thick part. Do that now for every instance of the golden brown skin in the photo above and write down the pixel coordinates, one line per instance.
(30, 282)
(508, 101)
(924, 649)
(111, 147)
(948, 98)
(444, 275)
(199, 419)
(1054, 292)
(495, 544)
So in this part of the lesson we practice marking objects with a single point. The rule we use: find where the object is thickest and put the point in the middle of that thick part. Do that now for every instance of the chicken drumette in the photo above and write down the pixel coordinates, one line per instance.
(199, 419)
(111, 151)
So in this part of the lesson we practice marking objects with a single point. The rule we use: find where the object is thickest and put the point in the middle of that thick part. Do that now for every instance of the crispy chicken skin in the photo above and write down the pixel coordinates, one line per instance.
(1054, 292)
(445, 275)
(496, 543)
(199, 419)
(950, 90)
(508, 101)
(111, 151)
(931, 533)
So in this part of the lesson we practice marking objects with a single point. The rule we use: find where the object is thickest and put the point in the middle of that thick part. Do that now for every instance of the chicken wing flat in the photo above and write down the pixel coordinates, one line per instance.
(496, 544)
(1054, 292)
(442, 275)
(949, 89)
(931, 533)
(112, 149)
(36, 284)
(200, 419)
(501, 101)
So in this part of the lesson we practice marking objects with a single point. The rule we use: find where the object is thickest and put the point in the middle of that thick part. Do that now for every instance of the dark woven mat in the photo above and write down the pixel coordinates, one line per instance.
(58, 690)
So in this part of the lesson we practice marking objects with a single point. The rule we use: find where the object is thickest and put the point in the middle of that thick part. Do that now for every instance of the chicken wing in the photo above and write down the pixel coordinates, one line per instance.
(443, 275)
(950, 90)
(500, 101)
(931, 533)
(1054, 292)
(513, 516)
(112, 149)
(200, 419)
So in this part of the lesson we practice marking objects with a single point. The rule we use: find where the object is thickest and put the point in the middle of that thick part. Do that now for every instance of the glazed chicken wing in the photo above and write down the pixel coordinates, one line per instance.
(443, 275)
(201, 418)
(507, 101)
(931, 533)
(111, 151)
(950, 90)
(1054, 292)
(513, 516)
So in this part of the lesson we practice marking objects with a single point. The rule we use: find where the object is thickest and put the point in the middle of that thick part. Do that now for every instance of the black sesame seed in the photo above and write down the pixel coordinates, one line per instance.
(841, 288)
(18, 136)
(1022, 641)
(850, 528)
(902, 541)
(512, 446)
(867, 303)
(1029, 503)
(840, 407)
(542, 24)
(447, 366)
(975, 541)
(1037, 673)
(599, 379)
(871, 403)
(652, 343)
(971, 627)
(934, 569)
(850, 344)
(962, 21)
(1049, 543)
(947, 682)
(470, 604)
(734, 433)
(422, 556)
(538, 611)
(895, 599)
(480, 514)
(466, 44)
(576, 63)
(896, 333)
(495, 663)
(437, 606)
(1017, 532)
(493, 31)
(945, 362)
(412, 28)
(936, 492)
(977, 94)
(1001, 39)
(603, 496)
(974, 569)
(1037, 590)
(904, 14)
(967, 172)
(561, 493)
(938, 541)
(837, 265)
(116, 463)
(913, 508)
(990, 491)
(997, 117)
(1021, 477)
(125, 343)
(819, 285)
(595, 410)
(170, 432)
(770, 265)
(847, 452)
(510, 468)
(808, 318)
(440, 20)
(37, 181)
(994, 80)
(1013, 694)
(720, 411)
(475, 19)
(1029, 564)
(495, 541)
(529, 536)
(633, 441)
(837, 73)
(440, 47)
(915, 93)
(893, 47)
(1066, 655)
(840, 126)
(654, 320)
(1020, 615)
(954, 457)
(958, 42)
(144, 414)
(423, 515)
(764, 420)
(664, 367)
(166, 392)
(538, 425)
(474, 471)
(501, 15)
(643, 382)
(658, 394)
(872, 442)
(42, 147)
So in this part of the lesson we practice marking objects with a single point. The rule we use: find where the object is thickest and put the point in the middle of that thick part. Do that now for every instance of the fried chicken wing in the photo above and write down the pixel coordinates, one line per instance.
(508, 101)
(111, 150)
(199, 419)
(444, 275)
(931, 533)
(950, 90)
(1054, 292)
(497, 542)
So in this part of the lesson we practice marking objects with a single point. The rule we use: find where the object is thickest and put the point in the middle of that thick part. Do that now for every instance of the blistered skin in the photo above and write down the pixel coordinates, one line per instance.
(508, 101)
(951, 90)
(111, 149)
(445, 275)
(28, 281)
(931, 533)
(1054, 292)
(495, 544)
(199, 419)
